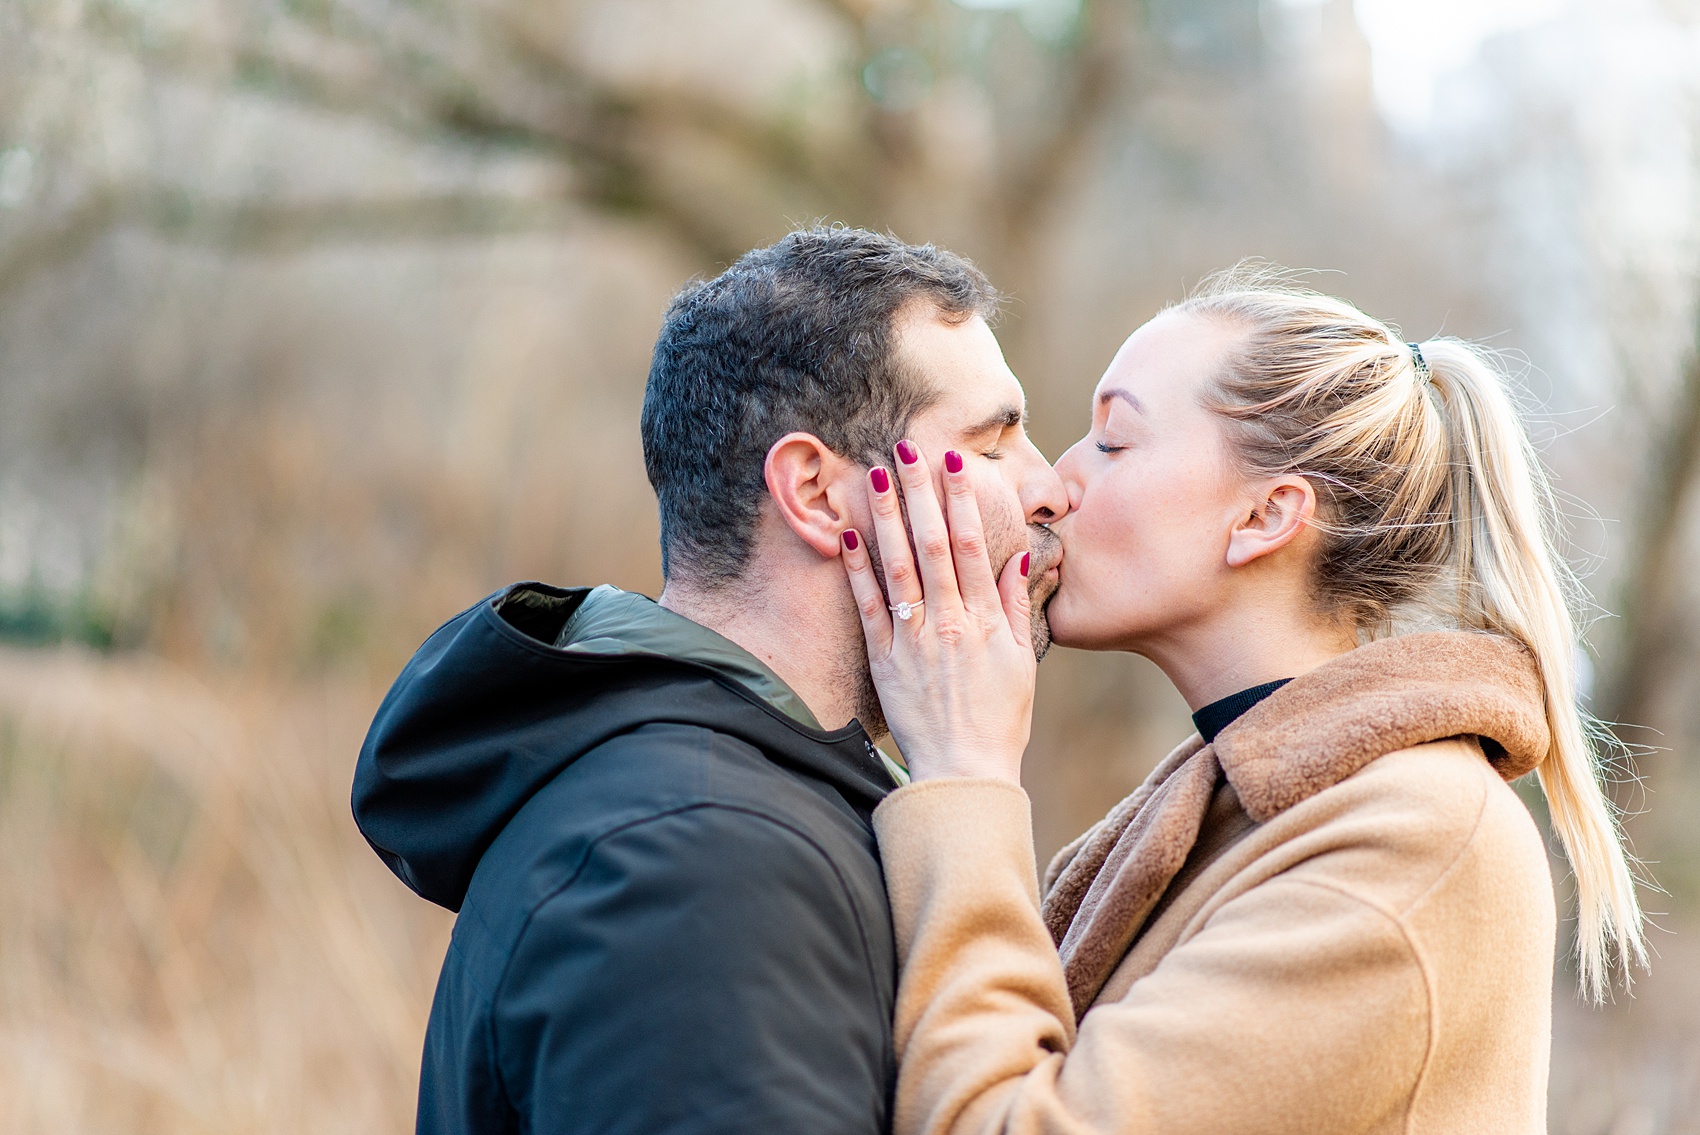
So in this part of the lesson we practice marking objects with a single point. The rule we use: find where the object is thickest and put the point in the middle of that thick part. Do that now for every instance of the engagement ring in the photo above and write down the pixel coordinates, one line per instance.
(906, 611)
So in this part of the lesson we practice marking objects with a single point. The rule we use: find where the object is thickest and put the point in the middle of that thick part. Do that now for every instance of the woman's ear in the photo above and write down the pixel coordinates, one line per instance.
(807, 482)
(1284, 508)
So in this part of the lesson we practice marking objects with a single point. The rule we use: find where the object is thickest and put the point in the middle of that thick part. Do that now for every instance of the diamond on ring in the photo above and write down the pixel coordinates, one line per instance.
(906, 611)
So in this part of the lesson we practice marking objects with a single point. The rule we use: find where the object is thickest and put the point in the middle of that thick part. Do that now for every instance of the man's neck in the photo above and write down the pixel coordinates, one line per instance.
(801, 631)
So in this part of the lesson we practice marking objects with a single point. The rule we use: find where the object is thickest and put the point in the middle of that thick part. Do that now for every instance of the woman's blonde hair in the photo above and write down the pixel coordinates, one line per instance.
(1436, 512)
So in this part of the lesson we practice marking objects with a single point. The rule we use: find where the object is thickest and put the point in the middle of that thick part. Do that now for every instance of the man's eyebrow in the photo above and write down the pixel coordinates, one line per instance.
(1127, 396)
(1003, 419)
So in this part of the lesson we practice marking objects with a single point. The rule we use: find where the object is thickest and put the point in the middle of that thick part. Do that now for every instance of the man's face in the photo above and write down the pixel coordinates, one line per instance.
(980, 413)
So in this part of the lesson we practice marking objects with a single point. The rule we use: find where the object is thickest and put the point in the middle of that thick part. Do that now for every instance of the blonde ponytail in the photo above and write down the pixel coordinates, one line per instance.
(1437, 514)
(1510, 580)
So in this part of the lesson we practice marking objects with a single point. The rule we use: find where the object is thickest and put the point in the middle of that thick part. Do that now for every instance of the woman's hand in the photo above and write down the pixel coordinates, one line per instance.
(956, 677)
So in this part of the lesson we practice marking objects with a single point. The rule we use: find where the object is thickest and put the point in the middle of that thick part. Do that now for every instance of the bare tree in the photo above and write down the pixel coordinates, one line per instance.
(1649, 641)
(872, 145)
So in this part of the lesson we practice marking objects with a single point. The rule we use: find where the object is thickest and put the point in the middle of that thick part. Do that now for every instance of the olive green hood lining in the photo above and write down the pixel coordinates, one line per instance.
(611, 621)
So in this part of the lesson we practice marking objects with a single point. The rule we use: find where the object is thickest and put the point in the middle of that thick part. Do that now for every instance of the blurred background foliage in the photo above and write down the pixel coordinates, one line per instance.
(319, 319)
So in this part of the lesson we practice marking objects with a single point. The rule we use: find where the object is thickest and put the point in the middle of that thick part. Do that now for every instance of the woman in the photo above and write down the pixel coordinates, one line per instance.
(1327, 912)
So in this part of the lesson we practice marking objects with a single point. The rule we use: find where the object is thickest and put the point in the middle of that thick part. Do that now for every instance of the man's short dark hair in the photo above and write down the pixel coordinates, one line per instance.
(795, 336)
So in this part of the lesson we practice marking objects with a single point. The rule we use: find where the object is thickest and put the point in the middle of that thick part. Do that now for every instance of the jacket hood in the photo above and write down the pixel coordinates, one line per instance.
(514, 689)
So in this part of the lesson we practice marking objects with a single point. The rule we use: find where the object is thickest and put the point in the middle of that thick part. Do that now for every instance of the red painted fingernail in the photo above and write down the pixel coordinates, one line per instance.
(953, 461)
(850, 540)
(1026, 561)
(906, 452)
(881, 480)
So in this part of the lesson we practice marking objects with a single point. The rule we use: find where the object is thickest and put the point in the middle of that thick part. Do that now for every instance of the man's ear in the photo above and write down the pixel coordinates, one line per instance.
(808, 483)
(1283, 509)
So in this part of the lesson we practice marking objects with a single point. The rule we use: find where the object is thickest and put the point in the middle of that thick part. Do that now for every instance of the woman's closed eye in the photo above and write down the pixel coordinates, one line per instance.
(1106, 447)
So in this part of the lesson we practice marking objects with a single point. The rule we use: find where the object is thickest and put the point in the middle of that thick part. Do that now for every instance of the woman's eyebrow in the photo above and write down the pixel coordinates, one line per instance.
(1127, 396)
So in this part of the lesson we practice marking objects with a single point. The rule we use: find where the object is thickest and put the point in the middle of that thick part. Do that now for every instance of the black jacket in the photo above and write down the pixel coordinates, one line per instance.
(672, 916)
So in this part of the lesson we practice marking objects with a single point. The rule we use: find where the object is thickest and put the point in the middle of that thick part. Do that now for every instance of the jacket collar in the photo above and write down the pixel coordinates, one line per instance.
(609, 621)
(1388, 695)
(489, 710)
(1308, 736)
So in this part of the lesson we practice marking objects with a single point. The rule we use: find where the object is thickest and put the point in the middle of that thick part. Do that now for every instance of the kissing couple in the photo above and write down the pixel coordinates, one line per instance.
(696, 898)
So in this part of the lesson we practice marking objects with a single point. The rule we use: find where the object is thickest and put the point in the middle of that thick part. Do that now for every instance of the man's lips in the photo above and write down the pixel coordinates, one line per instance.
(1044, 575)
(1047, 552)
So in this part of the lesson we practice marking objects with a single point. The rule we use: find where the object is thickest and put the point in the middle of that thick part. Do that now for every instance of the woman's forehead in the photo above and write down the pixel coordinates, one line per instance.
(1175, 352)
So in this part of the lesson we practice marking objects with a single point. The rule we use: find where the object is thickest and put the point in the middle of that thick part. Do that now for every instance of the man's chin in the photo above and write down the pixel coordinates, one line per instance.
(1042, 587)
(1040, 634)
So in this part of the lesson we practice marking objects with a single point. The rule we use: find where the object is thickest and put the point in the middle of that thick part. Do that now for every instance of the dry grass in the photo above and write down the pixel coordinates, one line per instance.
(195, 938)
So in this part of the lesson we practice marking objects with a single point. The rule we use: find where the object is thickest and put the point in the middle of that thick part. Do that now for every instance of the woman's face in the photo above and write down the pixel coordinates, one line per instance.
(1153, 496)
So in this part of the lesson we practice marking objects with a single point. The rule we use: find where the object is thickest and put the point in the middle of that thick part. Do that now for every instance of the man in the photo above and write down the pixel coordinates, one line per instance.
(653, 818)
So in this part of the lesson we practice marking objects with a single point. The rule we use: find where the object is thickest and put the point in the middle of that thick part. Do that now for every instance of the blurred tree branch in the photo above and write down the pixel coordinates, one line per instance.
(493, 75)
(259, 226)
(1101, 58)
(45, 245)
(1649, 638)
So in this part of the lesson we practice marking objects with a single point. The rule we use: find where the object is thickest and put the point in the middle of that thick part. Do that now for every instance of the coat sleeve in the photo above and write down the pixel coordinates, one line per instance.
(1297, 1006)
(705, 971)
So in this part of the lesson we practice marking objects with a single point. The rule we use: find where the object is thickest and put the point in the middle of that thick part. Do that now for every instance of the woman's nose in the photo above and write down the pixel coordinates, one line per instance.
(1068, 472)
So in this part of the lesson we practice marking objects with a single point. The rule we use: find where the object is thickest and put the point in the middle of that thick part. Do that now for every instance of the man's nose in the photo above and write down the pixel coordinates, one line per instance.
(1044, 497)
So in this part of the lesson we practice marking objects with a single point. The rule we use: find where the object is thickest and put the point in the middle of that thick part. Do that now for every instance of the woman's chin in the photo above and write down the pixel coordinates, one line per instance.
(1071, 625)
(1078, 622)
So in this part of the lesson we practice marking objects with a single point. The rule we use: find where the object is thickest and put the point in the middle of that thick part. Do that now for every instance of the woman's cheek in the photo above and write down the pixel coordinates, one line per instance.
(1111, 557)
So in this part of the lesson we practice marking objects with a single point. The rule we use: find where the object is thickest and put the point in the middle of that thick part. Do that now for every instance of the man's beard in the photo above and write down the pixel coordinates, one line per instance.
(1047, 553)
(1046, 549)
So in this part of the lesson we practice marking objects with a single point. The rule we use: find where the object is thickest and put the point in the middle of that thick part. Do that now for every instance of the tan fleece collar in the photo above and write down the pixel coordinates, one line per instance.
(1308, 736)
(1321, 728)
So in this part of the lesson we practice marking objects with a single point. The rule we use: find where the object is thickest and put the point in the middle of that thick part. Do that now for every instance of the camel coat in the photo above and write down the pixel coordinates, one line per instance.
(1336, 918)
